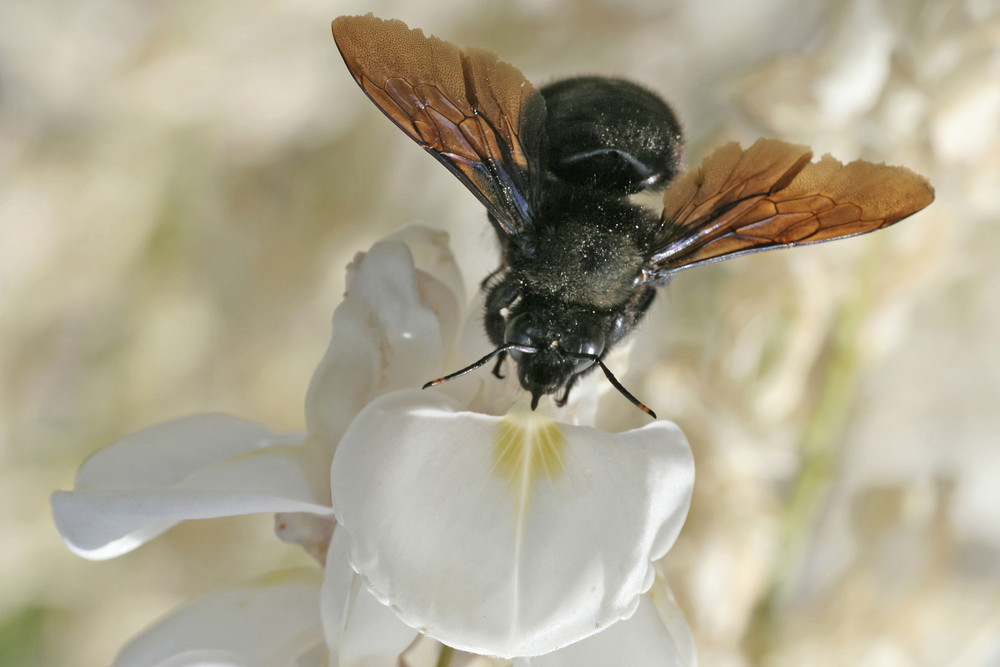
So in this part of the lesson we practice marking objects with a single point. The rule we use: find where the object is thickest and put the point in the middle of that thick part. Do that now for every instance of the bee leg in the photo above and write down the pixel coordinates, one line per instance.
(486, 281)
(561, 401)
(496, 369)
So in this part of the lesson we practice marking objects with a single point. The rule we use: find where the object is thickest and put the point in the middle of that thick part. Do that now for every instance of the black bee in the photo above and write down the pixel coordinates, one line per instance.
(555, 168)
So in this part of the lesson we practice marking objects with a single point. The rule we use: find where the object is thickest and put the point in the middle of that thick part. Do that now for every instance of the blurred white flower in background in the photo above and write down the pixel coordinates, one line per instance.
(506, 534)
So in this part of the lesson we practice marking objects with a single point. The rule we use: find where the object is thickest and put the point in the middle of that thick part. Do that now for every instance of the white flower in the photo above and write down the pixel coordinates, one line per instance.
(459, 517)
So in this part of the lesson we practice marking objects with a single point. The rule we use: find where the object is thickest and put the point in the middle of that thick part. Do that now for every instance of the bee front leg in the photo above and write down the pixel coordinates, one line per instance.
(488, 280)
(561, 401)
(496, 369)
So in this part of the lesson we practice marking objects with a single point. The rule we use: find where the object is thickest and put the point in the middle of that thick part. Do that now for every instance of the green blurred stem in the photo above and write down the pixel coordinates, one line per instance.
(838, 381)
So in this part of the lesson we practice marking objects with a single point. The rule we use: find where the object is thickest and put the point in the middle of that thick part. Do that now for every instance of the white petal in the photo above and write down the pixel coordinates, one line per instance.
(195, 468)
(271, 623)
(655, 636)
(432, 256)
(162, 455)
(674, 623)
(310, 531)
(387, 334)
(497, 548)
(359, 630)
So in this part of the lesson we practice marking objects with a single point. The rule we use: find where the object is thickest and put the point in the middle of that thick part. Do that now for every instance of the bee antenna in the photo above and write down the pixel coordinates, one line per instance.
(527, 349)
(616, 384)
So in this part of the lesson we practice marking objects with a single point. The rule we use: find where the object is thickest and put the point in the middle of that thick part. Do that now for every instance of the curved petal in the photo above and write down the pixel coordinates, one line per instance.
(360, 631)
(164, 454)
(390, 331)
(510, 536)
(312, 532)
(674, 624)
(432, 256)
(270, 623)
(194, 468)
(655, 636)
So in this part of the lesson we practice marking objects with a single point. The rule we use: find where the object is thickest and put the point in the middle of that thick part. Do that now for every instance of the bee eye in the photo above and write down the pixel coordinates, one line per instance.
(619, 327)
(584, 351)
(522, 330)
(590, 347)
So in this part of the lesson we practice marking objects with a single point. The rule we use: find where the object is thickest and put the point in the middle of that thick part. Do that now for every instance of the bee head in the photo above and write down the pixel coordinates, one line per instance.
(549, 353)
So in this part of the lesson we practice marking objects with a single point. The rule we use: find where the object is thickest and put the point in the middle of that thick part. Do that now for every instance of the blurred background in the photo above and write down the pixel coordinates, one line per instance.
(182, 184)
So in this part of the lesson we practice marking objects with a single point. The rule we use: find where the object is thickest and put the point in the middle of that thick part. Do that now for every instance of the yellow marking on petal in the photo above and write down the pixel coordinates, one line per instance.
(528, 448)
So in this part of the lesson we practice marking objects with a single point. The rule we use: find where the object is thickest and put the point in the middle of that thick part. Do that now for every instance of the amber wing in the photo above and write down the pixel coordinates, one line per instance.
(772, 196)
(477, 115)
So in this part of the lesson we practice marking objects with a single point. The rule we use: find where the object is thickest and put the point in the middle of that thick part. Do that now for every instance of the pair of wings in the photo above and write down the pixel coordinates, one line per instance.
(483, 120)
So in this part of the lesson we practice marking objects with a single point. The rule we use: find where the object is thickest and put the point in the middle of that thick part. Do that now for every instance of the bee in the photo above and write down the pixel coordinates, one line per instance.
(556, 168)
